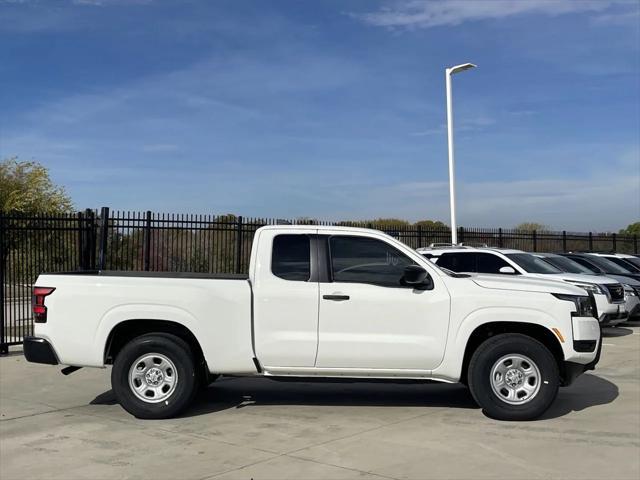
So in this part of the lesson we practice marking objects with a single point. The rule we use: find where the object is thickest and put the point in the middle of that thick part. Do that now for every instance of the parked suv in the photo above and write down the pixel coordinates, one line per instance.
(628, 262)
(632, 298)
(599, 264)
(608, 293)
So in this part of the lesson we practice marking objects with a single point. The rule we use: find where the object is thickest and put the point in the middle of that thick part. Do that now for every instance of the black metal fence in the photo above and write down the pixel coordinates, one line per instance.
(117, 240)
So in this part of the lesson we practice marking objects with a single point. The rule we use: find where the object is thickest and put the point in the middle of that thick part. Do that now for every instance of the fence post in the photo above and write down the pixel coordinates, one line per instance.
(590, 241)
(614, 242)
(535, 241)
(420, 236)
(564, 241)
(81, 242)
(460, 234)
(104, 232)
(4, 348)
(635, 243)
(91, 239)
(146, 253)
(500, 238)
(239, 245)
(86, 241)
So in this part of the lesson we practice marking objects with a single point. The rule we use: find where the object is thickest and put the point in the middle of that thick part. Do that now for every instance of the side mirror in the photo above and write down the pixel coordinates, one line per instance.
(507, 270)
(417, 277)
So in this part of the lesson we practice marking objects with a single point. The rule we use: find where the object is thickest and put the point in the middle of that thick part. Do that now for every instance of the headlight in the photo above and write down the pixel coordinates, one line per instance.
(590, 287)
(585, 305)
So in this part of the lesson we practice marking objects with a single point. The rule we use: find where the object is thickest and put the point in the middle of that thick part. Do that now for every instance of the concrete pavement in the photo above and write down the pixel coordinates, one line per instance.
(70, 428)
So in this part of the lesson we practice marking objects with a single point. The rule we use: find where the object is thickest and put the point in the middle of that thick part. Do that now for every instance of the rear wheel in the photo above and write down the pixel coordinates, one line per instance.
(513, 377)
(154, 376)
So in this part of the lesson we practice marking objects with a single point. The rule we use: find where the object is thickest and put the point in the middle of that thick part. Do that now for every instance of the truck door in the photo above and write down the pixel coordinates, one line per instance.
(368, 320)
(286, 299)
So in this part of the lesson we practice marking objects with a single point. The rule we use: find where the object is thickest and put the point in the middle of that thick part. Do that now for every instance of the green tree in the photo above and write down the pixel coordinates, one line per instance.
(431, 224)
(632, 229)
(26, 187)
(531, 226)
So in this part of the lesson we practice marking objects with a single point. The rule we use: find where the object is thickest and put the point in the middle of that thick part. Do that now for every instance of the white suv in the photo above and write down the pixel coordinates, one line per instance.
(573, 263)
(608, 294)
(624, 260)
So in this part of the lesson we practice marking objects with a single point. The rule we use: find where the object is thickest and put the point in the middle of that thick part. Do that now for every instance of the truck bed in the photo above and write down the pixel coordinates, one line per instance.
(86, 306)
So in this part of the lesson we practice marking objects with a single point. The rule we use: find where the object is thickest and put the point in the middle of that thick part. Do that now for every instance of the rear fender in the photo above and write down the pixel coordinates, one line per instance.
(143, 312)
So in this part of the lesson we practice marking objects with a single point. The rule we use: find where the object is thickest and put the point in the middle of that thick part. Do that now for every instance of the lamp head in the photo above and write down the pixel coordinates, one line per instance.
(460, 68)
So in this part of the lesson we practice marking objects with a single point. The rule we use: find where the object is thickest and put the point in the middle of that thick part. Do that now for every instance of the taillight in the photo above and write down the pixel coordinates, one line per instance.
(37, 302)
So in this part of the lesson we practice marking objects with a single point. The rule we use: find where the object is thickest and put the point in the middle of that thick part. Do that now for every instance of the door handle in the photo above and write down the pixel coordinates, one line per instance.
(336, 298)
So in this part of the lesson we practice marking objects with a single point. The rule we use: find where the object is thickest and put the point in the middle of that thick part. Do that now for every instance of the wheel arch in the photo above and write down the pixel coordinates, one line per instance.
(126, 330)
(487, 330)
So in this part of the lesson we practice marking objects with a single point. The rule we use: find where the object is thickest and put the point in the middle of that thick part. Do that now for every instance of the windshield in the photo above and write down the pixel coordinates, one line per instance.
(625, 263)
(567, 265)
(532, 264)
(634, 261)
(606, 265)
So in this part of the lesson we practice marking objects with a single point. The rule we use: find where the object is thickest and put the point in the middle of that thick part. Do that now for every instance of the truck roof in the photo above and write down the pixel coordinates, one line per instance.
(321, 228)
(441, 250)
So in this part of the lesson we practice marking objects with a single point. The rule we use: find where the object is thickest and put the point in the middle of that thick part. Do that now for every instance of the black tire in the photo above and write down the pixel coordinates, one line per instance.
(177, 351)
(487, 356)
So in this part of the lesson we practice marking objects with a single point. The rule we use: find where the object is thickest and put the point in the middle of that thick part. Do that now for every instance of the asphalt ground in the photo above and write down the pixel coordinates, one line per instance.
(52, 426)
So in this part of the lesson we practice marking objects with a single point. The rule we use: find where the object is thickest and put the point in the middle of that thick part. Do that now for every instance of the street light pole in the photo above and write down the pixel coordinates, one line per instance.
(452, 180)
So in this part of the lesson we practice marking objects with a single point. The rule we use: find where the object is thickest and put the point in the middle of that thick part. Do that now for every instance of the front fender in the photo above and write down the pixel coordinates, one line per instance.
(451, 367)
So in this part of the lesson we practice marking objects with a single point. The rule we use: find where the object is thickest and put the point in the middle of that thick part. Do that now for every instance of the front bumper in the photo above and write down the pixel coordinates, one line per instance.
(39, 350)
(610, 312)
(613, 318)
(573, 370)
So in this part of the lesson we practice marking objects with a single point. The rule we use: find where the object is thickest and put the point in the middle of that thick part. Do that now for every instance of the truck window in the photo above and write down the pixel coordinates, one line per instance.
(291, 257)
(367, 260)
(489, 263)
(458, 262)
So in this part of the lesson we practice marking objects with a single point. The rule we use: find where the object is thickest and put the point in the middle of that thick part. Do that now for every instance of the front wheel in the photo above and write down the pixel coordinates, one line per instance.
(513, 377)
(154, 376)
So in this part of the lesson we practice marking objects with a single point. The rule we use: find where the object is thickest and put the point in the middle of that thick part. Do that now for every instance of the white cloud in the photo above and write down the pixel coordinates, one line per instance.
(102, 3)
(631, 17)
(577, 205)
(433, 13)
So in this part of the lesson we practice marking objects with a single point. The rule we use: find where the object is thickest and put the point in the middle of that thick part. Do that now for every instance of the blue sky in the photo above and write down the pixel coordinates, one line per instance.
(330, 109)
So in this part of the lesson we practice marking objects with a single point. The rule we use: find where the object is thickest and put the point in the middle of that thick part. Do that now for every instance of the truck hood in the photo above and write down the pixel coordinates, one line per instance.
(524, 284)
(574, 277)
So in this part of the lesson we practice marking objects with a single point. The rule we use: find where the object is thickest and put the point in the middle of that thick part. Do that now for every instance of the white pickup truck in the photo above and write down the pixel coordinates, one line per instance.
(324, 302)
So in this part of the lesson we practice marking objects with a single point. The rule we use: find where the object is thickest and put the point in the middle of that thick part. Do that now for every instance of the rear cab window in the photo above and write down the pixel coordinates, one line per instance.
(291, 257)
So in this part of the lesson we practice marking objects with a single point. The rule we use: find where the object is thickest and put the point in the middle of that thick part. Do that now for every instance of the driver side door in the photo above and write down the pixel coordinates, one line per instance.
(368, 320)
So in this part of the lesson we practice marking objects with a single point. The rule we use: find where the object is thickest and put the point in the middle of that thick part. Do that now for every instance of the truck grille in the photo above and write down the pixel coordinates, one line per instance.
(616, 291)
